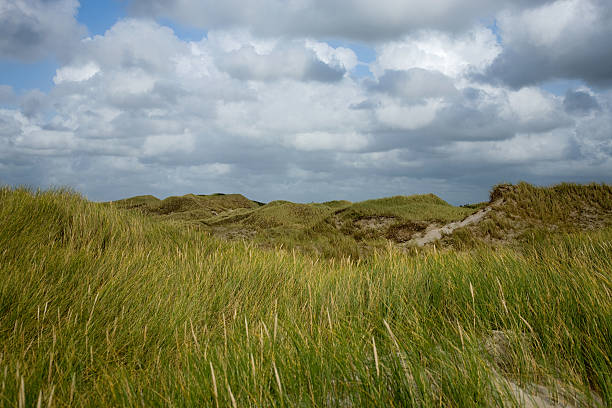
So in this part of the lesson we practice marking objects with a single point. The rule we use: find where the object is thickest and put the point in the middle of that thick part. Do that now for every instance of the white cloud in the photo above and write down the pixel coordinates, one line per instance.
(45, 141)
(339, 57)
(409, 117)
(160, 145)
(550, 25)
(245, 57)
(76, 73)
(438, 51)
(312, 141)
(521, 149)
(138, 110)
(233, 40)
(530, 104)
(130, 81)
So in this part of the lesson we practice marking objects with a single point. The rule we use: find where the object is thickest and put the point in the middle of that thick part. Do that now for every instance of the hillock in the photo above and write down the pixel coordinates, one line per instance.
(337, 227)
(341, 228)
(522, 211)
(187, 207)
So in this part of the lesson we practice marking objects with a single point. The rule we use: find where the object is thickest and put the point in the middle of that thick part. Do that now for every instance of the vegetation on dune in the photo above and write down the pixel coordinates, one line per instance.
(426, 207)
(190, 207)
(565, 205)
(396, 218)
(337, 203)
(143, 202)
(286, 214)
(330, 229)
(105, 307)
(521, 211)
(341, 228)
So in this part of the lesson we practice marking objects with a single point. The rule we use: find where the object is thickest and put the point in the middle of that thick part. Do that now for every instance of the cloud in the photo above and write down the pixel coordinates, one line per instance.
(580, 102)
(356, 20)
(33, 103)
(9, 126)
(35, 29)
(414, 84)
(563, 39)
(164, 145)
(139, 110)
(7, 95)
(408, 117)
(313, 141)
(284, 61)
(76, 73)
(248, 58)
(534, 110)
(452, 55)
(127, 45)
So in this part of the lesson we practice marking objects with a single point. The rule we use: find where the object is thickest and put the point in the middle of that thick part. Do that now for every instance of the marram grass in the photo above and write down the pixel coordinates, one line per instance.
(101, 307)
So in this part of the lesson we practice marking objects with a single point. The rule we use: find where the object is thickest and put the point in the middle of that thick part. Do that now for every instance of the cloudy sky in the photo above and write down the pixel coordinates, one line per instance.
(305, 100)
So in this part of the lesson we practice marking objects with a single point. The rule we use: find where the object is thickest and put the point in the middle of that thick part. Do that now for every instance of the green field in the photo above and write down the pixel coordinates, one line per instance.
(151, 306)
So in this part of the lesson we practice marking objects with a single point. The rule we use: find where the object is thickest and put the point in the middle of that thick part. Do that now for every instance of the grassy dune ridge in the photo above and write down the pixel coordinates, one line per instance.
(103, 307)
(330, 229)
(565, 204)
(524, 210)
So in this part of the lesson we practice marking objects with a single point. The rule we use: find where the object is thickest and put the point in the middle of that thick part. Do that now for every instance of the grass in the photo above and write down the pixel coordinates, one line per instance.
(426, 207)
(103, 307)
(524, 210)
(190, 207)
(330, 229)
(335, 228)
(566, 205)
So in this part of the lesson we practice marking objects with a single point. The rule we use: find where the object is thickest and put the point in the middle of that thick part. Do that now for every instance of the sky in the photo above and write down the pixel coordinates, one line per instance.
(304, 100)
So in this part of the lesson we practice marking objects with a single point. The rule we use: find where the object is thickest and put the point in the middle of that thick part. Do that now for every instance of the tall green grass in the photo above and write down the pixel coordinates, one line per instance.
(563, 204)
(103, 307)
